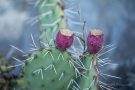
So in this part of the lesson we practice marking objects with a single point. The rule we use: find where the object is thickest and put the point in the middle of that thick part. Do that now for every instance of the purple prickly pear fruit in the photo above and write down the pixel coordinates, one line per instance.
(95, 41)
(64, 39)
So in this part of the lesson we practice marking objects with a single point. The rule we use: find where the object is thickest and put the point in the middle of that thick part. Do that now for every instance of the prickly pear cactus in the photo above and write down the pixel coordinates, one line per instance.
(48, 68)
(51, 66)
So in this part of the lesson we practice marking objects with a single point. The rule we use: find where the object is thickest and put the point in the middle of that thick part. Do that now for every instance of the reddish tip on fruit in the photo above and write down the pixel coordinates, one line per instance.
(64, 39)
(95, 41)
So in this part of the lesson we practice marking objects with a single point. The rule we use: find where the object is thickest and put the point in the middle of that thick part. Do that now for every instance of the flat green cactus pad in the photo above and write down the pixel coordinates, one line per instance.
(50, 20)
(89, 81)
(48, 70)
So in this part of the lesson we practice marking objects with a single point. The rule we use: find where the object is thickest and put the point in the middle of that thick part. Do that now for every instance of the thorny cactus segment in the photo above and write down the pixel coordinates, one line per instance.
(91, 73)
(50, 19)
(89, 80)
(95, 41)
(64, 39)
(48, 70)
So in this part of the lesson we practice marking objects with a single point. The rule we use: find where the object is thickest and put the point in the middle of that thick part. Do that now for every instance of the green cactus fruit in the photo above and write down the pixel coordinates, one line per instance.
(48, 70)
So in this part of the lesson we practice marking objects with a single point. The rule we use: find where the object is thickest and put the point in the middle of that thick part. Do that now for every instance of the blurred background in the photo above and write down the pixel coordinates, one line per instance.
(115, 17)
